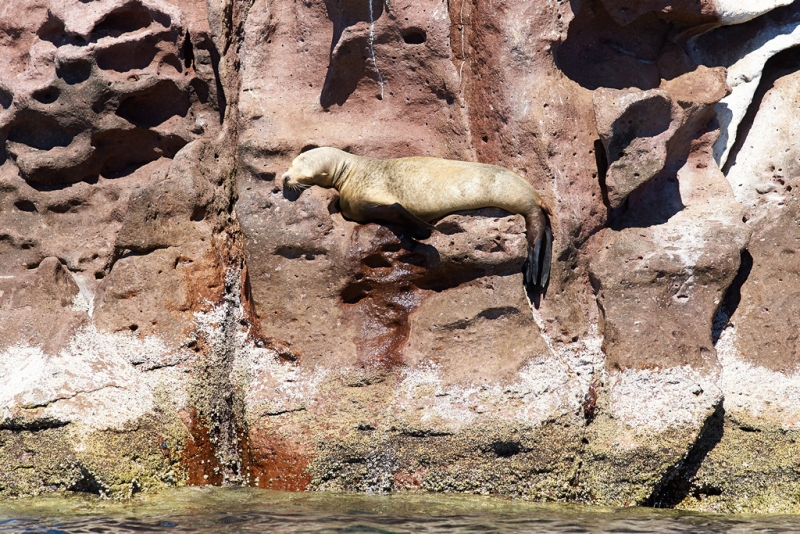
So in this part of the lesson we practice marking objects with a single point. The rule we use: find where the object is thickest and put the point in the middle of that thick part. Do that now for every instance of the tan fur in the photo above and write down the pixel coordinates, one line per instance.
(428, 188)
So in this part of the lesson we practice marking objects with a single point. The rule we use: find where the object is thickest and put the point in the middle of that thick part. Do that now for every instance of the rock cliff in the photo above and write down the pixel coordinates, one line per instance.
(172, 315)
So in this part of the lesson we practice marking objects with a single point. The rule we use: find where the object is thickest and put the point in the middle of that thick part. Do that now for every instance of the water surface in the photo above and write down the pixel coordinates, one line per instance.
(232, 510)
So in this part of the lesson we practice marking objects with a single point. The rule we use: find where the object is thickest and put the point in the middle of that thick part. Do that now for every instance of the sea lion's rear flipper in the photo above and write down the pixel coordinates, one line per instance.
(395, 213)
(537, 267)
(546, 257)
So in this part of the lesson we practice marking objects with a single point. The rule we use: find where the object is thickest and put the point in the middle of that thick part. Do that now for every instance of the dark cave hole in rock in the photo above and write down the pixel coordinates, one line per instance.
(376, 261)
(505, 449)
(128, 55)
(306, 148)
(355, 293)
(86, 482)
(128, 18)
(414, 36)
(121, 152)
(36, 425)
(73, 71)
(154, 105)
(187, 51)
(198, 214)
(54, 31)
(6, 98)
(38, 131)
(200, 89)
(48, 95)
(602, 169)
(25, 205)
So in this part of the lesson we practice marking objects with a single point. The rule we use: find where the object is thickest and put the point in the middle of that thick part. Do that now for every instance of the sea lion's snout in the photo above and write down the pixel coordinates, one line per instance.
(288, 179)
(294, 179)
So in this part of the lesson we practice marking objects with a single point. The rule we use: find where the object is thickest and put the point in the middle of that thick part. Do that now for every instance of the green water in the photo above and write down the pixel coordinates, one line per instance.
(212, 510)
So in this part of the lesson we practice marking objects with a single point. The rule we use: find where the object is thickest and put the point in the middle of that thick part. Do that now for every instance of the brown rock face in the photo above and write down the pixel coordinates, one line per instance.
(665, 260)
(114, 204)
(647, 133)
(104, 101)
(681, 11)
(158, 285)
(766, 181)
(38, 306)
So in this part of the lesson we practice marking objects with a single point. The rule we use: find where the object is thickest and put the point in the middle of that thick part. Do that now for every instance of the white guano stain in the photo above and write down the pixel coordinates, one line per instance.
(91, 381)
(738, 11)
(272, 387)
(372, 47)
(744, 74)
(659, 399)
(756, 392)
(543, 390)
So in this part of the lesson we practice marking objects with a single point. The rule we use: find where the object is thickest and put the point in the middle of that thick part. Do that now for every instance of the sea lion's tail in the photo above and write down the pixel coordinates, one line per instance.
(537, 266)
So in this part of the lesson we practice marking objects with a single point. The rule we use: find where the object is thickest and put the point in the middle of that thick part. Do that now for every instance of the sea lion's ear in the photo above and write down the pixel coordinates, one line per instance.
(325, 174)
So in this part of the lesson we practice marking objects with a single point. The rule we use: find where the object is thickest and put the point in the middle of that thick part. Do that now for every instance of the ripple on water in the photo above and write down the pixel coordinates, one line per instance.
(213, 510)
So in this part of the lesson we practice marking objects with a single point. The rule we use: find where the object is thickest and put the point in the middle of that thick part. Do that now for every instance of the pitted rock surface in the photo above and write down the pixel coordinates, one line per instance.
(170, 314)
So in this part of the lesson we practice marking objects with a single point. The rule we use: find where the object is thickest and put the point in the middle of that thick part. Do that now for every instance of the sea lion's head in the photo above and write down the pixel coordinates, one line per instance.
(318, 166)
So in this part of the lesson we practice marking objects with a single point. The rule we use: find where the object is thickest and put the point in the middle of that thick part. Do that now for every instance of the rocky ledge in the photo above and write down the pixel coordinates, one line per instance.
(171, 315)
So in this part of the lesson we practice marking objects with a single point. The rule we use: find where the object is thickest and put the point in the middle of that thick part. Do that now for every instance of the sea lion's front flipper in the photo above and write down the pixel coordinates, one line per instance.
(410, 218)
(395, 213)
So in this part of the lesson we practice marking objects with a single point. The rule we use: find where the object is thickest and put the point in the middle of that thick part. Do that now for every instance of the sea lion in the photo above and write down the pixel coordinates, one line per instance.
(417, 190)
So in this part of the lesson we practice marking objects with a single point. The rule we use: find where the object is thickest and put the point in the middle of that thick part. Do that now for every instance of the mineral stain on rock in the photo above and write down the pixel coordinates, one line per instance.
(198, 456)
(275, 463)
(383, 291)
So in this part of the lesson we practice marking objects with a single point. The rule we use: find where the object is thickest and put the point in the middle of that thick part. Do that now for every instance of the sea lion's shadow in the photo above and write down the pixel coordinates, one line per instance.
(291, 194)
(403, 233)
(410, 239)
(438, 274)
